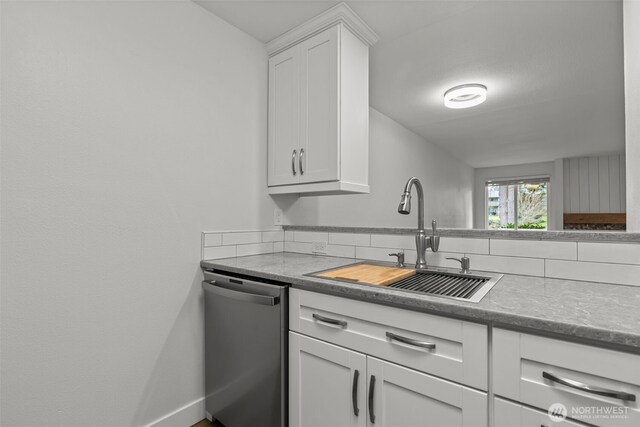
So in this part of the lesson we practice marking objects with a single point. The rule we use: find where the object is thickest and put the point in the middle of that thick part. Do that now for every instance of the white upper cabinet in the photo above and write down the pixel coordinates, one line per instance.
(319, 106)
(283, 118)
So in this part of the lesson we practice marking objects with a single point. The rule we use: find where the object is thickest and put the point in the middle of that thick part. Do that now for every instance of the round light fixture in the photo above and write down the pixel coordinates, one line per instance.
(465, 96)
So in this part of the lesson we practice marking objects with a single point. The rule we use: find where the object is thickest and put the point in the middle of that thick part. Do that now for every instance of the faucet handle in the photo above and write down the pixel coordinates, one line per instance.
(400, 256)
(465, 263)
(433, 240)
(434, 243)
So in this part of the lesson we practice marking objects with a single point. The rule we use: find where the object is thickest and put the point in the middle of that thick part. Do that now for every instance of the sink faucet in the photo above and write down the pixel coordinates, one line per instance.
(422, 241)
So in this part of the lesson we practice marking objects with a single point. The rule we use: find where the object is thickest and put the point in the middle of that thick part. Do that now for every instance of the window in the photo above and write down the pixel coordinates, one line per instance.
(517, 204)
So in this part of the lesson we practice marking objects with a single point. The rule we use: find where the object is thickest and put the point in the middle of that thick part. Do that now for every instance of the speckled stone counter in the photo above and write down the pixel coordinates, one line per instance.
(563, 236)
(595, 313)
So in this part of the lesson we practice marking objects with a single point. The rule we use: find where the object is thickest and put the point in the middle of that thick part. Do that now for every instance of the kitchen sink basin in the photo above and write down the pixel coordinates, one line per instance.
(469, 287)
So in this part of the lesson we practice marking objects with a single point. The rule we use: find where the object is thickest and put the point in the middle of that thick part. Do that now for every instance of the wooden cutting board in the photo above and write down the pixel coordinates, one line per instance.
(367, 273)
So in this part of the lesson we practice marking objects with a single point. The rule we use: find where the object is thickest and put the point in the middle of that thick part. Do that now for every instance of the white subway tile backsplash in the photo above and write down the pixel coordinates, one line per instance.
(299, 247)
(622, 274)
(341, 251)
(410, 257)
(224, 244)
(353, 239)
(217, 252)
(535, 249)
(212, 239)
(254, 249)
(273, 236)
(617, 263)
(438, 259)
(310, 236)
(393, 241)
(622, 253)
(241, 237)
(377, 254)
(462, 245)
(511, 265)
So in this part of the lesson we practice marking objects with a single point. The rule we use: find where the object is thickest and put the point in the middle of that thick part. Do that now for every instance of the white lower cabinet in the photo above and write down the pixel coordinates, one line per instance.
(593, 385)
(332, 386)
(453, 349)
(322, 378)
(403, 397)
(510, 414)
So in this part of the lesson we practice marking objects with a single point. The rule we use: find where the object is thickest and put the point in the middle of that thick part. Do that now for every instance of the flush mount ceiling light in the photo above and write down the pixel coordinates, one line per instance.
(465, 96)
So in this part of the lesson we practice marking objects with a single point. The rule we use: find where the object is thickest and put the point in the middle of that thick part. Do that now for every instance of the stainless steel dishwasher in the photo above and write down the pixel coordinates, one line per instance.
(246, 326)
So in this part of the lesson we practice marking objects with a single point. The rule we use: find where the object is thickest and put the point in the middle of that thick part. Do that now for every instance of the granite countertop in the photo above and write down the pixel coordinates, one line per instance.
(592, 312)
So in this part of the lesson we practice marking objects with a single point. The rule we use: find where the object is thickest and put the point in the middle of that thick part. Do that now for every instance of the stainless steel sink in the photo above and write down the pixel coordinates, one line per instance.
(466, 287)
(470, 287)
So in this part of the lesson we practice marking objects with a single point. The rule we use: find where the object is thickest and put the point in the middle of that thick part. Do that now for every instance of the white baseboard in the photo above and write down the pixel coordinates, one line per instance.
(186, 416)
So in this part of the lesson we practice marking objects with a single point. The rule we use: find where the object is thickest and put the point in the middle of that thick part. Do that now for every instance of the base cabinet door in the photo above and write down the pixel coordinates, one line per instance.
(330, 386)
(402, 397)
(326, 384)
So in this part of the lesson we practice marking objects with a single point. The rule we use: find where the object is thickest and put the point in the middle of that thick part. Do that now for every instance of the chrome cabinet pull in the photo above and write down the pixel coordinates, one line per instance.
(330, 321)
(293, 162)
(301, 156)
(590, 389)
(411, 341)
(354, 393)
(372, 383)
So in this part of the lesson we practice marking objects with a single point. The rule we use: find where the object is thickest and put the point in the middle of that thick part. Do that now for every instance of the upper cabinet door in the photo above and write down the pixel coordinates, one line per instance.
(284, 124)
(319, 107)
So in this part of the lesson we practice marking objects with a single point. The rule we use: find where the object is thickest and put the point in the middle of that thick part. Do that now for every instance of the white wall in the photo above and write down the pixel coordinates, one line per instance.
(122, 128)
(631, 11)
(511, 171)
(396, 154)
(594, 184)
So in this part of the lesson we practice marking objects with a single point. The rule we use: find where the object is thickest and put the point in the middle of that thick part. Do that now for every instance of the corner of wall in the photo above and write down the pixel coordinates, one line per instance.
(631, 16)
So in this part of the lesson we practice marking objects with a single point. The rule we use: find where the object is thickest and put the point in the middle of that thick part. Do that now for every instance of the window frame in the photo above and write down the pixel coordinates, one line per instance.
(515, 182)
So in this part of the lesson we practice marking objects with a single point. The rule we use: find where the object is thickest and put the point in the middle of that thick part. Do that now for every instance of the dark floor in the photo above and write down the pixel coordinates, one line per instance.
(207, 423)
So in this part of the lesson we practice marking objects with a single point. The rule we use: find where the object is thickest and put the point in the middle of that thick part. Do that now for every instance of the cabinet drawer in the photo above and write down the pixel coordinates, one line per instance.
(596, 385)
(509, 414)
(459, 348)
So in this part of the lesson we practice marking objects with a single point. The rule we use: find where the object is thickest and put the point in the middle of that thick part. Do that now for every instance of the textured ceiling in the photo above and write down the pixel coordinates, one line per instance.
(553, 69)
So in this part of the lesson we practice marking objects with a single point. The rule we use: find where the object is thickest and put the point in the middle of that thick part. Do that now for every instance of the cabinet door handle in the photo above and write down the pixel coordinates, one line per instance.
(410, 341)
(300, 161)
(354, 393)
(293, 162)
(330, 321)
(590, 389)
(372, 384)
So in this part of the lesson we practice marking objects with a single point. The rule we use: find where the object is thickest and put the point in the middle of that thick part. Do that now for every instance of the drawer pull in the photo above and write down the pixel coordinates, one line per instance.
(354, 393)
(330, 321)
(590, 389)
(410, 341)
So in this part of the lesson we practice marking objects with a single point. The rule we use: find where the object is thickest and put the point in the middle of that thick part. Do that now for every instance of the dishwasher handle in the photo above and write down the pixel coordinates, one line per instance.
(210, 286)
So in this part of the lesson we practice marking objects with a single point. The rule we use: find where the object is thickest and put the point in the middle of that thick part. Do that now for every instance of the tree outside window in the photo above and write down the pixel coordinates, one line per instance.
(517, 204)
